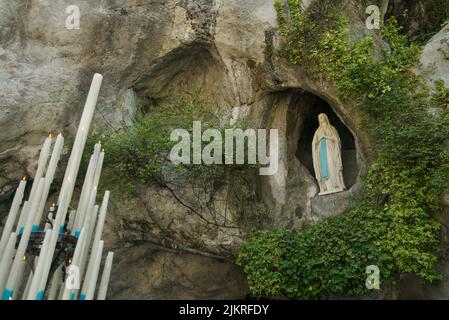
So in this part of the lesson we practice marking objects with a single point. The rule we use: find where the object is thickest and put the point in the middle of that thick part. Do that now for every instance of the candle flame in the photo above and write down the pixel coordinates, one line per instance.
(102, 150)
(99, 141)
(24, 178)
(49, 135)
(53, 204)
(24, 258)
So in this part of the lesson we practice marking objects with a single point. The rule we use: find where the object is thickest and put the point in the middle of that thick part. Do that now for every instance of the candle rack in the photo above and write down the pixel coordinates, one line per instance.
(66, 240)
(65, 247)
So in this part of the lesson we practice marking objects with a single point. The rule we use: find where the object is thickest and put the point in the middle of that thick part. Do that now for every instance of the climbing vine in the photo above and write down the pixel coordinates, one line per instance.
(392, 226)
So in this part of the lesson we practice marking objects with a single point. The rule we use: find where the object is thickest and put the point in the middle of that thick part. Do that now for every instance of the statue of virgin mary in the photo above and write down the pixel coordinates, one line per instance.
(326, 148)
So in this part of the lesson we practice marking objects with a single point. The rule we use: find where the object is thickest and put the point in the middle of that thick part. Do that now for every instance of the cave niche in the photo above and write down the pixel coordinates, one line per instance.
(292, 193)
(308, 124)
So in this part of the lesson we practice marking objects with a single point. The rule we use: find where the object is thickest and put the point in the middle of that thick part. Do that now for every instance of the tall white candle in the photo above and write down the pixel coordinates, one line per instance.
(60, 216)
(68, 292)
(28, 285)
(23, 217)
(12, 216)
(84, 196)
(89, 287)
(6, 260)
(55, 285)
(72, 216)
(21, 275)
(90, 226)
(49, 176)
(98, 233)
(79, 144)
(81, 135)
(42, 163)
(85, 193)
(98, 169)
(104, 284)
(35, 293)
(16, 269)
(95, 180)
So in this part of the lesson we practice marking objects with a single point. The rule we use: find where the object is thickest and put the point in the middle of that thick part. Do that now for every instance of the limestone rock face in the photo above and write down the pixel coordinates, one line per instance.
(155, 50)
(435, 57)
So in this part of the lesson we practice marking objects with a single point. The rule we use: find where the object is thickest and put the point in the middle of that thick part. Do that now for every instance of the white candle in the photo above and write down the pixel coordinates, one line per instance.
(102, 218)
(60, 216)
(90, 226)
(89, 286)
(22, 219)
(55, 284)
(86, 190)
(98, 169)
(98, 232)
(72, 216)
(81, 135)
(79, 144)
(28, 285)
(104, 284)
(6, 260)
(49, 176)
(42, 163)
(68, 292)
(35, 293)
(84, 196)
(12, 216)
(21, 274)
(16, 270)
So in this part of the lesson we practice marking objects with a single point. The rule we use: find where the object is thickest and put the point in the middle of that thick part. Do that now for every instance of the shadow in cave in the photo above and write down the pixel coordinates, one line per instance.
(309, 125)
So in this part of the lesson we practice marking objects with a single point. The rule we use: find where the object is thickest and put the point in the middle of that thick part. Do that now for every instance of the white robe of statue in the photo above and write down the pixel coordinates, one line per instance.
(326, 148)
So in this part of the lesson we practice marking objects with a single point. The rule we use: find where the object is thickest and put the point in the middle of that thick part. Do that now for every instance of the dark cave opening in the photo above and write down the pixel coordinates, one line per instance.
(309, 125)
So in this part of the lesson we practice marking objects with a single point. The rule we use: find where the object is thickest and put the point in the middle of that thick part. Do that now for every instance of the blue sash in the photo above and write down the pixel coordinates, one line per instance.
(324, 167)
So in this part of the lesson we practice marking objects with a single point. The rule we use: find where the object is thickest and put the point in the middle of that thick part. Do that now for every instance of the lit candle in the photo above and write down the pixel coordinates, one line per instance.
(42, 163)
(49, 176)
(17, 268)
(12, 216)
(6, 260)
(103, 289)
(35, 293)
(60, 216)
(89, 286)
(98, 169)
